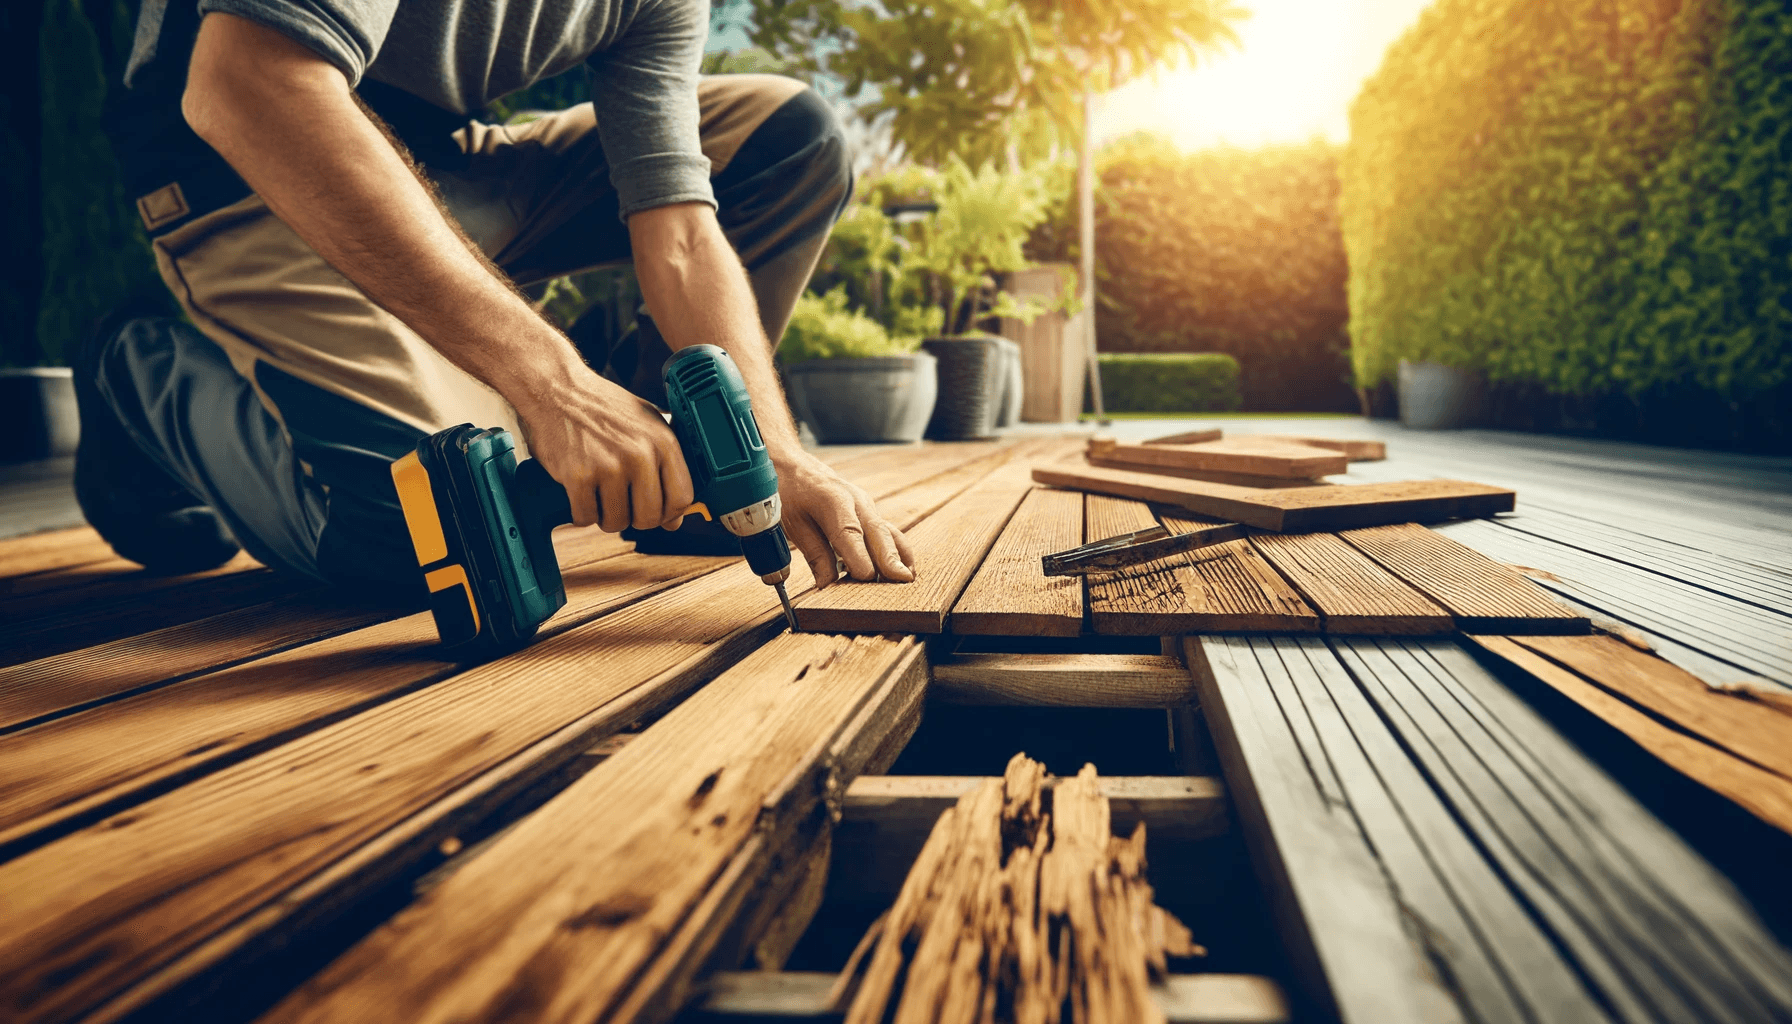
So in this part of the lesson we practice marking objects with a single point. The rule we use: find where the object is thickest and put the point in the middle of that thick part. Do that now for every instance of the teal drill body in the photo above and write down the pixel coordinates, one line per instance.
(480, 522)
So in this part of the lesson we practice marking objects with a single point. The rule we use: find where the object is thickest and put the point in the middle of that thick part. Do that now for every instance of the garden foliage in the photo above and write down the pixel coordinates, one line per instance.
(1169, 382)
(1222, 250)
(1582, 198)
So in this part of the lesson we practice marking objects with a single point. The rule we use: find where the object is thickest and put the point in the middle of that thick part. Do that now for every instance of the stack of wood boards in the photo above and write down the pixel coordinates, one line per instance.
(1039, 910)
(184, 804)
(1437, 851)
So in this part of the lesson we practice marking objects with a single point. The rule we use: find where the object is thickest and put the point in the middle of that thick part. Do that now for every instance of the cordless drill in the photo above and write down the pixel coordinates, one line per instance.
(480, 521)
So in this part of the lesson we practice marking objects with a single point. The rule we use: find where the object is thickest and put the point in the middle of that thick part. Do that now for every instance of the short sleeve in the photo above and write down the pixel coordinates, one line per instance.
(644, 89)
(347, 33)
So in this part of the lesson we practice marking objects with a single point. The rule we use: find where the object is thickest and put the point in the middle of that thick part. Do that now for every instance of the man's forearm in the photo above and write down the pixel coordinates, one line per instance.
(698, 294)
(289, 124)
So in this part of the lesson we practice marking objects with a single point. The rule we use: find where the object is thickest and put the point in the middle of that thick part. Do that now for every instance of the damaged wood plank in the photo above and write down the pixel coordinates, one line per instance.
(1483, 595)
(1223, 588)
(1351, 592)
(1009, 595)
(631, 851)
(1063, 680)
(1292, 510)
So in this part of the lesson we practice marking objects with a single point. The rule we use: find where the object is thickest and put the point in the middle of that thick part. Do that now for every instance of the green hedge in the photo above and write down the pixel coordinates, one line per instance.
(1169, 382)
(1223, 250)
(1589, 199)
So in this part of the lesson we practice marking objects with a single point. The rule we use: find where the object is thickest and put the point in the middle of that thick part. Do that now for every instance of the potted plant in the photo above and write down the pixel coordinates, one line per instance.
(919, 254)
(849, 379)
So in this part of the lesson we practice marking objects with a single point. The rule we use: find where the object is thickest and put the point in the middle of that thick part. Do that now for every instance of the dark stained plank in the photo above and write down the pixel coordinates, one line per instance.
(632, 849)
(1764, 794)
(1351, 593)
(1222, 588)
(1063, 680)
(1293, 509)
(1483, 595)
(1340, 920)
(1010, 595)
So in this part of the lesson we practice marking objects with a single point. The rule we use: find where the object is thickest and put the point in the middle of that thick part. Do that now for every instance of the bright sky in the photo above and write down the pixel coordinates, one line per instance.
(1299, 65)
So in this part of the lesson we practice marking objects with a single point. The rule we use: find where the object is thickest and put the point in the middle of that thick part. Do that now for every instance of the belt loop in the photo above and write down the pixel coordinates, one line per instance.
(164, 206)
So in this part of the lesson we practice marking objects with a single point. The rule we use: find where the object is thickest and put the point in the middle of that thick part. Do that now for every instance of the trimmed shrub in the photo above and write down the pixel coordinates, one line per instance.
(1169, 382)
(1589, 200)
(1223, 250)
(822, 327)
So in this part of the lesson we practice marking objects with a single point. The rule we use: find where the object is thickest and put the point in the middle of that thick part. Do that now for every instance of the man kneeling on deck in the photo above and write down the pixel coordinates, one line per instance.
(347, 241)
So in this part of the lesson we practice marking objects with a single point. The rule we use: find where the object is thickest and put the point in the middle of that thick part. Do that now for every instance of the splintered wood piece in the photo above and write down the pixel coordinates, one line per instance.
(1009, 595)
(1483, 595)
(1010, 905)
(1224, 588)
(948, 547)
(1352, 593)
(1188, 437)
(54, 549)
(587, 887)
(1212, 475)
(1295, 509)
(1762, 793)
(1249, 455)
(1355, 451)
(1748, 730)
(1064, 680)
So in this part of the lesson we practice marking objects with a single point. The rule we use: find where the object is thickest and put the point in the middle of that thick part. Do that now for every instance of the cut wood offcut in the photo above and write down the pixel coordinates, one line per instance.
(1295, 509)
(1039, 910)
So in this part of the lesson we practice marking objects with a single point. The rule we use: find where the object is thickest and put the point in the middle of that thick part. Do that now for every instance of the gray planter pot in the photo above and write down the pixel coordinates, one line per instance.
(38, 416)
(1014, 390)
(864, 401)
(971, 381)
(1438, 397)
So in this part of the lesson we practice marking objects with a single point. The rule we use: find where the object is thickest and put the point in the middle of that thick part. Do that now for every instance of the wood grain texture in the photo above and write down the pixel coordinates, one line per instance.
(1351, 593)
(1188, 437)
(948, 547)
(1340, 919)
(1754, 732)
(109, 579)
(1355, 451)
(53, 549)
(1483, 595)
(1010, 595)
(1292, 510)
(1211, 475)
(559, 918)
(1762, 793)
(1223, 588)
(1063, 680)
(1253, 456)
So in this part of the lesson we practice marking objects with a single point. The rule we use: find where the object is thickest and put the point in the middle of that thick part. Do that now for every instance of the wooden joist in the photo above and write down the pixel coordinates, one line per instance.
(1763, 793)
(1223, 588)
(570, 914)
(1246, 456)
(1063, 680)
(1010, 595)
(1351, 593)
(1483, 595)
(1291, 510)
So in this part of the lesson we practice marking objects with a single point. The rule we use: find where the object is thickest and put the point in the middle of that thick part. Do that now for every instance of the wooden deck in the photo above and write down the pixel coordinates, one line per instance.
(233, 797)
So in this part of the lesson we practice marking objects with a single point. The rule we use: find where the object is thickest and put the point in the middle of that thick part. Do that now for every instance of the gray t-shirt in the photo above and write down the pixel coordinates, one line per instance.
(643, 57)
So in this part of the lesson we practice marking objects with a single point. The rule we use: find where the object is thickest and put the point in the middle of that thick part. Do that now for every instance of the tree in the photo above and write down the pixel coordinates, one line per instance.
(980, 79)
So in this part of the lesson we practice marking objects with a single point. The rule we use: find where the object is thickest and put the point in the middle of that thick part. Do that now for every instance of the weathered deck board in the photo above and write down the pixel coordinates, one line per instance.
(1010, 595)
(1483, 595)
(1351, 593)
(631, 850)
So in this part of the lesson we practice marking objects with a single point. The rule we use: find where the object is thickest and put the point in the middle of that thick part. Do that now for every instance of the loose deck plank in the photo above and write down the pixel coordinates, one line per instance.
(1291, 510)
(1483, 595)
(1211, 475)
(1355, 451)
(1223, 588)
(1188, 437)
(948, 545)
(1249, 456)
(1064, 680)
(1010, 595)
(1764, 794)
(1351, 593)
(629, 851)
(1341, 921)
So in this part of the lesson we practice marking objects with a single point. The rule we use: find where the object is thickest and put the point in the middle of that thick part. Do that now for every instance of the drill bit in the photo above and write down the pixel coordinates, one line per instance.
(789, 612)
